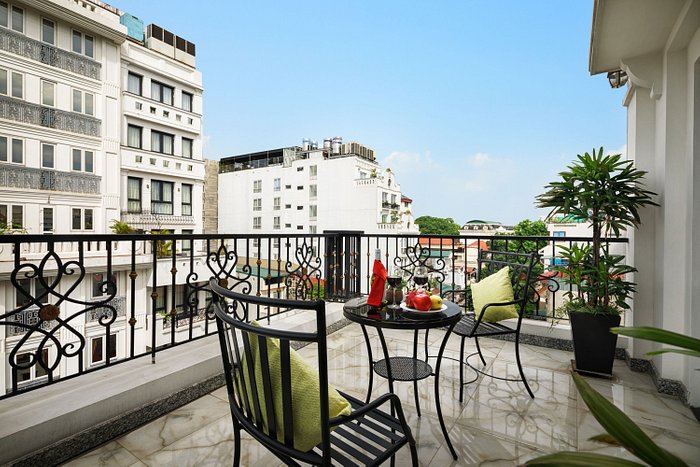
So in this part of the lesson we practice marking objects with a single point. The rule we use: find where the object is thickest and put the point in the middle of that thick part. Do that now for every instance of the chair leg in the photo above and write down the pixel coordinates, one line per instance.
(478, 349)
(520, 367)
(461, 370)
(414, 455)
(236, 443)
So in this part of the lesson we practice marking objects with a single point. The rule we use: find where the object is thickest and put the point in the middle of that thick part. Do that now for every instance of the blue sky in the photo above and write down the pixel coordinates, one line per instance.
(475, 105)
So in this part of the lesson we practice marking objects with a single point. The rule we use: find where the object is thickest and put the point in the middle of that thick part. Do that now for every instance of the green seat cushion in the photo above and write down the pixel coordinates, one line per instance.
(495, 288)
(306, 411)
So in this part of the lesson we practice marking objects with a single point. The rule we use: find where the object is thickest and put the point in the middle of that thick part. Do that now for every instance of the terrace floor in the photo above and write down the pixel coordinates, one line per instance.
(497, 424)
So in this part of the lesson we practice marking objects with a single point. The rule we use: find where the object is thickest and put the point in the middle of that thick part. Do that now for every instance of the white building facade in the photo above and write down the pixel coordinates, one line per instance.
(299, 190)
(71, 162)
(657, 45)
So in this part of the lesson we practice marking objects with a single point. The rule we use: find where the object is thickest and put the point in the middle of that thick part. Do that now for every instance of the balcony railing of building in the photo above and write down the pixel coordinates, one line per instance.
(19, 44)
(147, 220)
(26, 112)
(30, 178)
(77, 303)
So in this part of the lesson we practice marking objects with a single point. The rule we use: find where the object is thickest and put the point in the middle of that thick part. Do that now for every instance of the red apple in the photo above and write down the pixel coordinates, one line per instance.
(409, 297)
(422, 302)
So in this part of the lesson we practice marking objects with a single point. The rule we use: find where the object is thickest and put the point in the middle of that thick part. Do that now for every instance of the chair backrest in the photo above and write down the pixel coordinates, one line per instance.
(521, 277)
(251, 360)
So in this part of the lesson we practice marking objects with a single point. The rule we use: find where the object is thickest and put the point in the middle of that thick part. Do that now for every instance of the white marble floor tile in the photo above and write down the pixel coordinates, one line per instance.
(174, 426)
(110, 454)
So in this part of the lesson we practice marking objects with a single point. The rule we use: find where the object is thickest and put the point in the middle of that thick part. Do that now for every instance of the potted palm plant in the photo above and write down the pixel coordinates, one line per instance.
(607, 192)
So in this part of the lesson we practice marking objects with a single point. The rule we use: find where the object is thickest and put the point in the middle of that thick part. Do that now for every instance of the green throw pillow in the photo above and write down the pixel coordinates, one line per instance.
(495, 288)
(306, 411)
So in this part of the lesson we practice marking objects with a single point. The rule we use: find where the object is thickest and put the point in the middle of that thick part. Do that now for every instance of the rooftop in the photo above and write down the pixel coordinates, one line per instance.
(498, 424)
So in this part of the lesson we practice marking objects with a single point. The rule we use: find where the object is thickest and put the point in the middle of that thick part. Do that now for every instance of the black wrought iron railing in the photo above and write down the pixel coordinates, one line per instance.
(75, 304)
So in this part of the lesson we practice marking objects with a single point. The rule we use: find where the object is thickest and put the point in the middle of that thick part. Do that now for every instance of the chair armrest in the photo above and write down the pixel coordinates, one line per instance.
(478, 317)
(374, 405)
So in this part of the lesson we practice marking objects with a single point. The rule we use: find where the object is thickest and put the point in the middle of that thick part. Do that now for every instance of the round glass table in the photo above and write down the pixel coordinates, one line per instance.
(405, 368)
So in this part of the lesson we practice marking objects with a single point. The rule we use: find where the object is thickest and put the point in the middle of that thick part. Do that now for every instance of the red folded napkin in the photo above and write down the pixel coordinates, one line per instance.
(376, 293)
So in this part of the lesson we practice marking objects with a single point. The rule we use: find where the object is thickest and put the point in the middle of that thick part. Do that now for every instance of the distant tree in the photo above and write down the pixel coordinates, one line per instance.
(524, 228)
(437, 225)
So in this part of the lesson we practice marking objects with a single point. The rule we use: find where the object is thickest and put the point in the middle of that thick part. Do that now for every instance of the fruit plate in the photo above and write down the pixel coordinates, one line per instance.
(428, 312)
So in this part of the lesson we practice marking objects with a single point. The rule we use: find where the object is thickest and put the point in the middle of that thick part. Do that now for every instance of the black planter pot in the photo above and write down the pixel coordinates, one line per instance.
(594, 344)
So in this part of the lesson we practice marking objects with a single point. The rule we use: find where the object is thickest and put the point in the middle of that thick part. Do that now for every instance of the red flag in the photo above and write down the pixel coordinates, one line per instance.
(376, 294)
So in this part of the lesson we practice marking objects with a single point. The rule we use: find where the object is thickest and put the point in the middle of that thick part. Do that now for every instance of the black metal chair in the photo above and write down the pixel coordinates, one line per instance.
(368, 436)
(470, 325)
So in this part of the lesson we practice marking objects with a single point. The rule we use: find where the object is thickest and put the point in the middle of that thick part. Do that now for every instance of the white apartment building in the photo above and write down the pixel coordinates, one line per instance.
(100, 120)
(297, 190)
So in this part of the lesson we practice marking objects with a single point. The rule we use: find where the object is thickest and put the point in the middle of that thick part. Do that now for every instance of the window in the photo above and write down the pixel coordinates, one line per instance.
(135, 84)
(277, 183)
(25, 372)
(134, 136)
(48, 29)
(47, 220)
(48, 91)
(102, 285)
(186, 199)
(257, 223)
(187, 243)
(98, 350)
(313, 211)
(300, 169)
(287, 206)
(187, 148)
(288, 187)
(83, 102)
(81, 219)
(287, 226)
(276, 204)
(393, 199)
(313, 171)
(385, 197)
(11, 150)
(276, 223)
(559, 233)
(300, 227)
(313, 191)
(13, 18)
(162, 142)
(312, 229)
(47, 155)
(161, 197)
(83, 44)
(12, 82)
(11, 216)
(300, 208)
(300, 187)
(257, 204)
(257, 186)
(161, 93)
(133, 194)
(83, 160)
(186, 101)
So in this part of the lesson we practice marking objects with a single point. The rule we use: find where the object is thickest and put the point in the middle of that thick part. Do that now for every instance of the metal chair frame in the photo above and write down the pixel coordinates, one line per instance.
(472, 326)
(368, 436)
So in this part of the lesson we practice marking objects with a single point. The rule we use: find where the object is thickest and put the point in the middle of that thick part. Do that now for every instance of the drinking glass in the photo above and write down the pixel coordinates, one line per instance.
(420, 276)
(394, 293)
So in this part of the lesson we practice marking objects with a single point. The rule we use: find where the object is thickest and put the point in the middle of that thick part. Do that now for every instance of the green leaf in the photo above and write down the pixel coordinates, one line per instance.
(659, 335)
(690, 353)
(604, 438)
(622, 428)
(580, 459)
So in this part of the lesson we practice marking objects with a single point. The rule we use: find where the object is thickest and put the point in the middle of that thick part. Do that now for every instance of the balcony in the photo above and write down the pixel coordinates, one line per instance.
(496, 424)
(34, 114)
(146, 220)
(29, 178)
(82, 290)
(23, 46)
